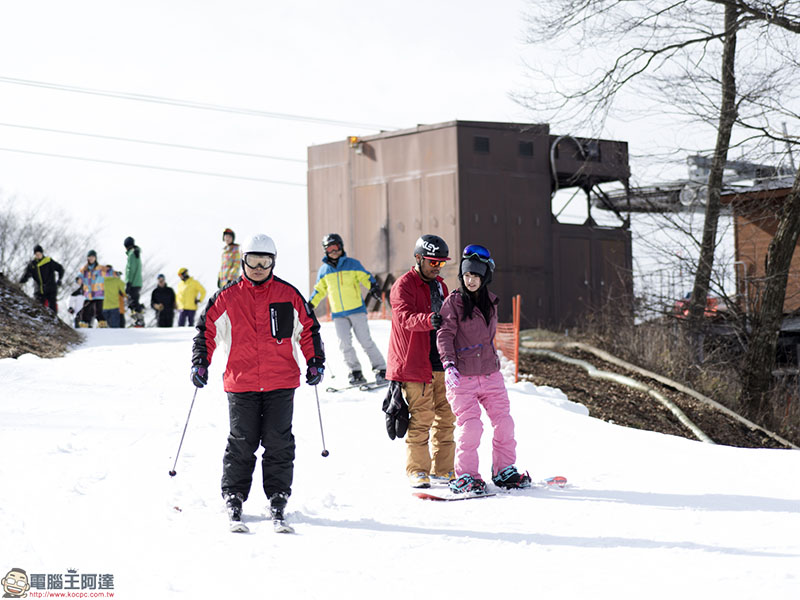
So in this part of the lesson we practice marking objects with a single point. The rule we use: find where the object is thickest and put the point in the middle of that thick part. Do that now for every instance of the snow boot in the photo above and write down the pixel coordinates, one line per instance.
(447, 477)
(357, 378)
(233, 502)
(468, 484)
(277, 504)
(419, 480)
(510, 478)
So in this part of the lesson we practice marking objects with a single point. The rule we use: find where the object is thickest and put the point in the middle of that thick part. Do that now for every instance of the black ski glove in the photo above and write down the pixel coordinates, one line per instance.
(436, 320)
(396, 409)
(199, 376)
(315, 371)
(375, 293)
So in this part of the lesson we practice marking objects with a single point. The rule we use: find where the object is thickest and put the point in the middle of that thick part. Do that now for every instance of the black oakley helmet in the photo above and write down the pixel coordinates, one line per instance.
(432, 246)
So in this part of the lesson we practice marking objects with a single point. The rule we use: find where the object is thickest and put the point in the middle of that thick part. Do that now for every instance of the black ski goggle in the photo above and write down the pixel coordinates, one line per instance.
(259, 261)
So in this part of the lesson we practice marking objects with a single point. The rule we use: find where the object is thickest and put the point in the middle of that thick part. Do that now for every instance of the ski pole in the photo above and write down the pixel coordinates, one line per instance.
(321, 432)
(172, 473)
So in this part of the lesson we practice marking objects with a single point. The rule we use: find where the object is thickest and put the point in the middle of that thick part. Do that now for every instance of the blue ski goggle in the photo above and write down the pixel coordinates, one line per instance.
(478, 252)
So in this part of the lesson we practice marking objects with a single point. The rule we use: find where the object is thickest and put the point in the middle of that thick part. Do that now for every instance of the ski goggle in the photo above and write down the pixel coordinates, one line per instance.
(332, 247)
(478, 252)
(436, 263)
(259, 261)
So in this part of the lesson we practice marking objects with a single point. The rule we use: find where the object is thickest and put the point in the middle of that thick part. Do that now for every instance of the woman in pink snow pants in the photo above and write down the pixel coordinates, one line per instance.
(473, 378)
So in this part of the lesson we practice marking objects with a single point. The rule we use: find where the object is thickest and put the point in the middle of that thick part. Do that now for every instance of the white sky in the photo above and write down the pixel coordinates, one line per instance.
(357, 61)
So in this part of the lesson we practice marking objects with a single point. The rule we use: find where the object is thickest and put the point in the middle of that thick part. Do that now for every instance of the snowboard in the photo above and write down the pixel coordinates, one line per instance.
(451, 497)
(550, 482)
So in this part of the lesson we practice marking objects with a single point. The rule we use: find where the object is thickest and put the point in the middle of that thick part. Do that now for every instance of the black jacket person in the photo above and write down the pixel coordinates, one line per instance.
(43, 270)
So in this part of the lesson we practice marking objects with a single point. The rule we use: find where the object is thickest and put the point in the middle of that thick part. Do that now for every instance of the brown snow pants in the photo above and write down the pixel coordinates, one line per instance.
(431, 422)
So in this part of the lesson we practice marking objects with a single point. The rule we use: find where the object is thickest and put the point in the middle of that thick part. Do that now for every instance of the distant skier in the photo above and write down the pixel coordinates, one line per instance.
(133, 280)
(265, 324)
(163, 302)
(188, 295)
(93, 276)
(415, 368)
(340, 279)
(472, 376)
(231, 259)
(44, 270)
(113, 298)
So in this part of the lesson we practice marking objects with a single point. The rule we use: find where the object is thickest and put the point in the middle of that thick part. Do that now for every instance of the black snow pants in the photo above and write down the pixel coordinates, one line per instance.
(265, 418)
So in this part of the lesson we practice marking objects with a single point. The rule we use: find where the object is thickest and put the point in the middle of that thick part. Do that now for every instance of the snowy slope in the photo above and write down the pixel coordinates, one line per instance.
(87, 442)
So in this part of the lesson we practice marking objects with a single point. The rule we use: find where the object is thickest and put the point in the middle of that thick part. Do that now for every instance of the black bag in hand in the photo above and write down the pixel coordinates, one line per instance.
(396, 409)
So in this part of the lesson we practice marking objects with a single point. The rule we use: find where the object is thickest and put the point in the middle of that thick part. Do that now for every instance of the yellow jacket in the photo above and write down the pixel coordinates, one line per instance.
(341, 283)
(189, 294)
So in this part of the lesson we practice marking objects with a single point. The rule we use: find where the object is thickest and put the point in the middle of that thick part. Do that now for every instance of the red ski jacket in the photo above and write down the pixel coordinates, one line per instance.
(261, 326)
(410, 339)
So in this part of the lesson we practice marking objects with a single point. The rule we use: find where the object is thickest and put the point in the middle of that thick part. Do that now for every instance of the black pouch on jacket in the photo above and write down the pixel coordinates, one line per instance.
(281, 319)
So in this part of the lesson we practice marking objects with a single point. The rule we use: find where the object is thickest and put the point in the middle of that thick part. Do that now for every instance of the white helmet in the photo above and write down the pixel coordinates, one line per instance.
(260, 244)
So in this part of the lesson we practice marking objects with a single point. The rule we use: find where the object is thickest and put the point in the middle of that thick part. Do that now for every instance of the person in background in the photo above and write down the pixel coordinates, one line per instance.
(114, 295)
(133, 280)
(340, 279)
(415, 368)
(473, 379)
(46, 274)
(267, 325)
(76, 301)
(163, 302)
(231, 259)
(93, 277)
(188, 295)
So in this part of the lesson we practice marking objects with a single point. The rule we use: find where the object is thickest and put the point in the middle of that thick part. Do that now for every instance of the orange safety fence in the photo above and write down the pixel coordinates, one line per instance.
(507, 338)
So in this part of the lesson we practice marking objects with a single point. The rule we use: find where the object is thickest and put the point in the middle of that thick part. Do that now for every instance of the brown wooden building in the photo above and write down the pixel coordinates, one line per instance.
(476, 182)
(755, 217)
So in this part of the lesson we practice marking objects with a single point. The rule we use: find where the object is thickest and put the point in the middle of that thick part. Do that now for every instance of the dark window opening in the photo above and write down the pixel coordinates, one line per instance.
(526, 148)
(481, 144)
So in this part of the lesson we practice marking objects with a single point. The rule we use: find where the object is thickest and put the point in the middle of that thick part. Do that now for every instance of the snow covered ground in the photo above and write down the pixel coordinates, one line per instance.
(87, 442)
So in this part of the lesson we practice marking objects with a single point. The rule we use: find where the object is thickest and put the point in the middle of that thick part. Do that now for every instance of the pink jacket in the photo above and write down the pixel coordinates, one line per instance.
(468, 344)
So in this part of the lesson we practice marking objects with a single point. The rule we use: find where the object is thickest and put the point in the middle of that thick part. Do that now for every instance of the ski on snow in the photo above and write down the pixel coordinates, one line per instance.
(550, 482)
(278, 526)
(364, 387)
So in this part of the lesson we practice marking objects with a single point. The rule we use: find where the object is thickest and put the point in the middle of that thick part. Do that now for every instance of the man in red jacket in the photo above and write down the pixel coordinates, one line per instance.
(259, 318)
(414, 364)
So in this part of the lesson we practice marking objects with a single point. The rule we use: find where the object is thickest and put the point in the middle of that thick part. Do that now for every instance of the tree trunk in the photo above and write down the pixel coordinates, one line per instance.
(759, 359)
(727, 117)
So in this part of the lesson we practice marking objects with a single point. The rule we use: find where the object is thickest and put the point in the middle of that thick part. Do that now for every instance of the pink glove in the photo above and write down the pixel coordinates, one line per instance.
(452, 378)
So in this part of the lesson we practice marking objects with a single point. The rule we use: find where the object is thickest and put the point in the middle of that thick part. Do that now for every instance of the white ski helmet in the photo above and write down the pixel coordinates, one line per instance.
(260, 244)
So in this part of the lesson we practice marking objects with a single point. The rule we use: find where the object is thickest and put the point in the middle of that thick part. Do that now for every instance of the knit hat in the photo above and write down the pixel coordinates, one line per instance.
(37, 248)
(473, 265)
(91, 253)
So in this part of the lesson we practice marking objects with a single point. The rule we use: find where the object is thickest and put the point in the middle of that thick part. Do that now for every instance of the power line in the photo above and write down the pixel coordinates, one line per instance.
(151, 142)
(143, 166)
(191, 104)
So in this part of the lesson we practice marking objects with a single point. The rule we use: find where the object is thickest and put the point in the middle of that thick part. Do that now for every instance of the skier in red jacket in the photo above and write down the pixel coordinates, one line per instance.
(259, 318)
(414, 366)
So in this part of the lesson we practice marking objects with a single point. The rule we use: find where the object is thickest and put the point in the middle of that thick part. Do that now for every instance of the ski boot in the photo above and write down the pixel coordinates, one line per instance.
(233, 503)
(356, 378)
(467, 484)
(511, 479)
(277, 504)
(138, 319)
